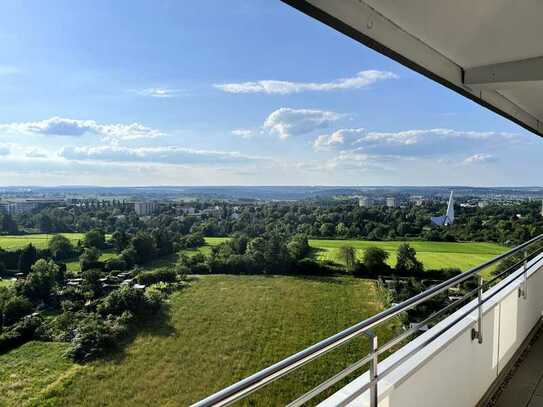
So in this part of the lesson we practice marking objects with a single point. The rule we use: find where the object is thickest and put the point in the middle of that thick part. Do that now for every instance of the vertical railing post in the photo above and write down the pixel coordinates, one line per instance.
(374, 362)
(480, 307)
(525, 266)
(478, 333)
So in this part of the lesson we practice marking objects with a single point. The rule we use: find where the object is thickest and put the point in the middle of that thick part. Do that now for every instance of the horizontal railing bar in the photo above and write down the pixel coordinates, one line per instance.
(396, 363)
(330, 382)
(246, 386)
(516, 265)
(413, 330)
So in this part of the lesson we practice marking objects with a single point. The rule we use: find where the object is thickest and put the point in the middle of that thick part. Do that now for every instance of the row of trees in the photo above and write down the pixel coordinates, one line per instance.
(501, 223)
(272, 253)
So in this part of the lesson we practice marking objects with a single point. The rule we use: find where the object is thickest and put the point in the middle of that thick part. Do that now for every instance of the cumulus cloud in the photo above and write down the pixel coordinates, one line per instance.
(159, 92)
(164, 155)
(286, 122)
(243, 133)
(428, 142)
(479, 158)
(76, 128)
(360, 80)
(337, 138)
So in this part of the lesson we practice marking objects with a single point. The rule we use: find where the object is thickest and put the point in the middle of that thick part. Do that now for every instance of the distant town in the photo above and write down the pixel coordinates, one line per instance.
(145, 201)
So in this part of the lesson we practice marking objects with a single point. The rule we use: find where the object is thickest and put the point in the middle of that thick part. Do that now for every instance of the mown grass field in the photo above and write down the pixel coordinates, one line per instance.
(41, 240)
(217, 331)
(434, 255)
(73, 264)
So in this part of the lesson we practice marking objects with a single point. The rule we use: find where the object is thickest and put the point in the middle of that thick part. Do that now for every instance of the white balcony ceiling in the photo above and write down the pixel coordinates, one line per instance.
(490, 51)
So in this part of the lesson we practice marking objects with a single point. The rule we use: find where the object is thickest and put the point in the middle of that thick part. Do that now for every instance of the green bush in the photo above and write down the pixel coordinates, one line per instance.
(128, 299)
(20, 333)
(310, 267)
(115, 264)
(14, 309)
(166, 275)
(95, 336)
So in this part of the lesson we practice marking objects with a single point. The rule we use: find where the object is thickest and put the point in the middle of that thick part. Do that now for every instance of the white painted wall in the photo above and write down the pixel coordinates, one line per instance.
(453, 370)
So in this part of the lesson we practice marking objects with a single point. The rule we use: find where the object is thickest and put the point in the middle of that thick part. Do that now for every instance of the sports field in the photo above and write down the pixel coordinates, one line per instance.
(217, 331)
(434, 255)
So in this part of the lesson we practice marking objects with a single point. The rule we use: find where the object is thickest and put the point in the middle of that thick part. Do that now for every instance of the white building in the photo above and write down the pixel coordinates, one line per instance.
(145, 208)
(365, 202)
(392, 202)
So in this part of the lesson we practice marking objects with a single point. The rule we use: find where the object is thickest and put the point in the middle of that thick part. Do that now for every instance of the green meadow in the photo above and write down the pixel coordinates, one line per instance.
(463, 255)
(40, 240)
(215, 332)
(434, 255)
(219, 330)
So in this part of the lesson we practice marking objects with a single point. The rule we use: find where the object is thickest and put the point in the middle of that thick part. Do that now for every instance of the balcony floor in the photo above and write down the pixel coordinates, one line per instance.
(525, 387)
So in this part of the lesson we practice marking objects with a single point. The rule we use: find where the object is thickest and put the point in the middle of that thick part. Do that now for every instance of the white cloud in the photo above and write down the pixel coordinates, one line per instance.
(243, 133)
(430, 142)
(34, 153)
(159, 92)
(164, 155)
(286, 122)
(360, 80)
(479, 158)
(337, 138)
(75, 128)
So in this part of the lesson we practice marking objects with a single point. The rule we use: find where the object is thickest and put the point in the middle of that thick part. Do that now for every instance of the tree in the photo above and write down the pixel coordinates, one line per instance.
(60, 247)
(120, 240)
(39, 283)
(347, 254)
(88, 258)
(374, 260)
(341, 229)
(327, 229)
(406, 260)
(45, 223)
(27, 258)
(129, 256)
(8, 225)
(91, 282)
(94, 238)
(298, 247)
(145, 248)
(15, 308)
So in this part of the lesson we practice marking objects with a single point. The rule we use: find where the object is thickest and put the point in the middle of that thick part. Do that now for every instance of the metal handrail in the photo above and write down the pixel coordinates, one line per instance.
(264, 377)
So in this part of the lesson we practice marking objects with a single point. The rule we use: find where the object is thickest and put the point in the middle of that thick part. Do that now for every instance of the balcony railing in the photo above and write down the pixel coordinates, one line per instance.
(475, 300)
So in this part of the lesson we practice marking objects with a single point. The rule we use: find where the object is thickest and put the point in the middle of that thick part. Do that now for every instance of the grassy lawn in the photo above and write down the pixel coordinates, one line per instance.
(31, 370)
(432, 254)
(73, 264)
(217, 331)
(206, 249)
(39, 240)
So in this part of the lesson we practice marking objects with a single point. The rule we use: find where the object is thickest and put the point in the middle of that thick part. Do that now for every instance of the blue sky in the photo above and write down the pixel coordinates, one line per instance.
(252, 92)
